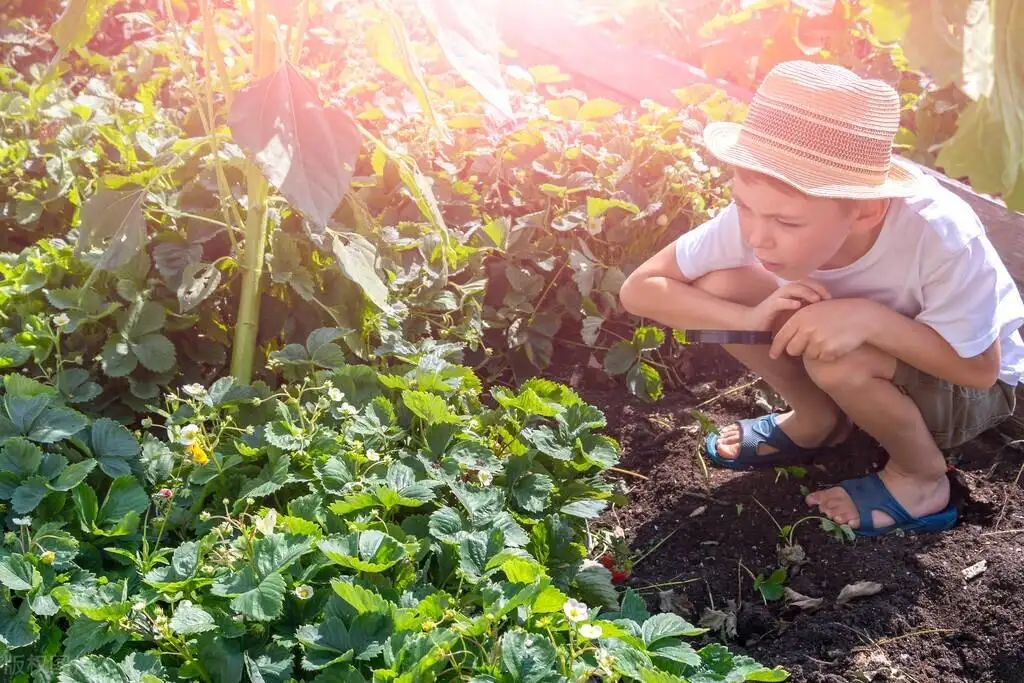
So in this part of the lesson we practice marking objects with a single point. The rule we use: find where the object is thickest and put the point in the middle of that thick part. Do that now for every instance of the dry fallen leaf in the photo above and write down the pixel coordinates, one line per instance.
(722, 621)
(975, 570)
(792, 555)
(671, 601)
(802, 601)
(861, 589)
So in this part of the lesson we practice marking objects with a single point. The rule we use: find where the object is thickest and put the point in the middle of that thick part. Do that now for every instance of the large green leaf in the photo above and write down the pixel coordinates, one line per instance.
(114, 446)
(272, 664)
(367, 551)
(476, 550)
(29, 494)
(92, 669)
(357, 259)
(18, 629)
(431, 408)
(527, 657)
(126, 501)
(18, 574)
(467, 33)
(190, 620)
(77, 24)
(533, 492)
(306, 151)
(112, 220)
(20, 458)
(325, 644)
(668, 625)
(277, 552)
(155, 352)
(257, 599)
(361, 599)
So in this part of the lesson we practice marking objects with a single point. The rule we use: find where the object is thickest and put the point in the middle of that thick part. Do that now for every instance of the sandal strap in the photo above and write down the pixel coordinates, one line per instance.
(765, 430)
(869, 493)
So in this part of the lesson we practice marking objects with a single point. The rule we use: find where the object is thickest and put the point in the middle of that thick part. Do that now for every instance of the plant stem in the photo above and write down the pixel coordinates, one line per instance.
(243, 351)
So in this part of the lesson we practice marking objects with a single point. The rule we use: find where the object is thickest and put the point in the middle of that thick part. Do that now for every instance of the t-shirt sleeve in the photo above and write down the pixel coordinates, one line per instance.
(714, 245)
(970, 299)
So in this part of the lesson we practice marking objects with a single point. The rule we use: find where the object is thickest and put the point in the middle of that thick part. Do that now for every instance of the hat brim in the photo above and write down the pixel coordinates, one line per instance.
(723, 140)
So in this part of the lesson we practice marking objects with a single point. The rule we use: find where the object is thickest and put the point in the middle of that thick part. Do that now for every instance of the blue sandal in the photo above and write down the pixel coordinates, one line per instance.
(763, 430)
(869, 493)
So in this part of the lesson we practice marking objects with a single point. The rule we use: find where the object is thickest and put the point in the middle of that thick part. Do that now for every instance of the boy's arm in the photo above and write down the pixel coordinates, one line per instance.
(922, 347)
(659, 291)
(830, 329)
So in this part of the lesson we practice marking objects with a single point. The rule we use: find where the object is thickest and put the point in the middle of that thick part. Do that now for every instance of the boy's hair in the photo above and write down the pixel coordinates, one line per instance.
(749, 176)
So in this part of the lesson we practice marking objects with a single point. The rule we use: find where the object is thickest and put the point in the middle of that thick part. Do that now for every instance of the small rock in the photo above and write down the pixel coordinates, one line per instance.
(975, 570)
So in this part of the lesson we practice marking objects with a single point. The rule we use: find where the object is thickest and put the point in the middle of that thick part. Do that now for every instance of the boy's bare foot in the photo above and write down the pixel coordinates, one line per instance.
(804, 432)
(920, 497)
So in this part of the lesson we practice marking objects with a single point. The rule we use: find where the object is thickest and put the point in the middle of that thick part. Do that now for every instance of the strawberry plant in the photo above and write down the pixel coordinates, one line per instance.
(355, 524)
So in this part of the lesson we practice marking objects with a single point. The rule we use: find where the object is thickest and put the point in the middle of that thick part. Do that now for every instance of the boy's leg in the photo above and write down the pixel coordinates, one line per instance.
(814, 415)
(861, 384)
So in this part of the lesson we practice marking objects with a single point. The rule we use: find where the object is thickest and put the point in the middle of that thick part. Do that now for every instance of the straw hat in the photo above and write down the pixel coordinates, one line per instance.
(822, 129)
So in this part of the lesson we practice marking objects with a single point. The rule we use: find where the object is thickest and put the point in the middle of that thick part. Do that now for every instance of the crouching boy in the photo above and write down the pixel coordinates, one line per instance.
(889, 306)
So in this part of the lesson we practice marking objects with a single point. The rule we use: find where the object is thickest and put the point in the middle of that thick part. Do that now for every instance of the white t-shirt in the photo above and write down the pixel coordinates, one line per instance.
(932, 262)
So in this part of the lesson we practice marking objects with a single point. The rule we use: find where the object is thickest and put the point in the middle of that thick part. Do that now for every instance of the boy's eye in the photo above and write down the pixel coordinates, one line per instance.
(788, 224)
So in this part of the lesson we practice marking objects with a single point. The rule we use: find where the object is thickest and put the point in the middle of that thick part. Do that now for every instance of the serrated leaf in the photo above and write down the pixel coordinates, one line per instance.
(594, 584)
(155, 352)
(356, 259)
(124, 498)
(306, 151)
(29, 494)
(277, 552)
(78, 22)
(72, 476)
(18, 574)
(112, 220)
(359, 598)
(265, 601)
(668, 625)
(599, 206)
(190, 620)
(367, 551)
(598, 108)
(117, 359)
(533, 492)
(620, 358)
(198, 282)
(20, 458)
(92, 669)
(467, 34)
(389, 45)
(18, 629)
(429, 407)
(644, 380)
(526, 657)
(584, 509)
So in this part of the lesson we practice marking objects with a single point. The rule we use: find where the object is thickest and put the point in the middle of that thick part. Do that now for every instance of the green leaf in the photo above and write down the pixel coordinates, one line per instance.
(467, 34)
(155, 352)
(644, 381)
(13, 355)
(597, 207)
(63, 545)
(620, 358)
(389, 46)
(265, 601)
(629, 660)
(190, 620)
(78, 23)
(198, 282)
(547, 442)
(527, 657)
(18, 574)
(27, 496)
(367, 551)
(668, 625)
(533, 492)
(76, 387)
(361, 599)
(92, 669)
(325, 644)
(112, 220)
(476, 551)
(44, 606)
(18, 629)
(549, 601)
(585, 509)
(354, 502)
(431, 408)
(446, 524)
(750, 670)
(117, 358)
(272, 665)
(125, 497)
(278, 552)
(271, 478)
(356, 259)
(306, 151)
(113, 445)
(221, 657)
(648, 338)
(595, 586)
(20, 458)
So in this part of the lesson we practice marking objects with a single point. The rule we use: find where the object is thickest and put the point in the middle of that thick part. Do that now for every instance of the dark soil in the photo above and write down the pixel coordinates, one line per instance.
(927, 624)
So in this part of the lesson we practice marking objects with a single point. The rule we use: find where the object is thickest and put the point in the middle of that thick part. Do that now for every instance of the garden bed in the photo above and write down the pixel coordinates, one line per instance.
(927, 624)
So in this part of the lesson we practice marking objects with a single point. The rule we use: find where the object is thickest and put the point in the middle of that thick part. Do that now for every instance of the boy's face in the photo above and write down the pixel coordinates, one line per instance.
(792, 234)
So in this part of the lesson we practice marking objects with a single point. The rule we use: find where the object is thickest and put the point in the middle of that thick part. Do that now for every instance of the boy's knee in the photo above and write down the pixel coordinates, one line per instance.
(747, 286)
(851, 371)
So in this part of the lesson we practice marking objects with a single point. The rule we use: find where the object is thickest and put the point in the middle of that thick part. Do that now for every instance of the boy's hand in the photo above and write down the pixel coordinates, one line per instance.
(784, 300)
(826, 330)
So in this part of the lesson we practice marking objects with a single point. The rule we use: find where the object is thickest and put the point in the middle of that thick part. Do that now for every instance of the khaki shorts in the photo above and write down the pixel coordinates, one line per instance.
(955, 414)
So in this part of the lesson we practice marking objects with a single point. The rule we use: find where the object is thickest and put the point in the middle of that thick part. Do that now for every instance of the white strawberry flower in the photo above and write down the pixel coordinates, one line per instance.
(335, 394)
(61, 319)
(303, 592)
(188, 435)
(485, 477)
(195, 390)
(591, 631)
(575, 610)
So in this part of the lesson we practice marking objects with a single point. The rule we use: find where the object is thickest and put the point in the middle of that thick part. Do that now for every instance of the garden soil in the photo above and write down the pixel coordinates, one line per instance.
(928, 623)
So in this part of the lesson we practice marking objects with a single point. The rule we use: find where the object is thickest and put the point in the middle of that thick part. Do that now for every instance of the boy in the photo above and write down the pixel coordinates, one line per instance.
(889, 306)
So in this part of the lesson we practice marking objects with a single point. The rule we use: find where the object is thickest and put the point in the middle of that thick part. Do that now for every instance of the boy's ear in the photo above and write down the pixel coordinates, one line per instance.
(869, 212)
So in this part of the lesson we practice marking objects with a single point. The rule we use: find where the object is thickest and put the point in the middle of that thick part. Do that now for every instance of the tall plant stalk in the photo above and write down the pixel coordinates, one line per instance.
(243, 352)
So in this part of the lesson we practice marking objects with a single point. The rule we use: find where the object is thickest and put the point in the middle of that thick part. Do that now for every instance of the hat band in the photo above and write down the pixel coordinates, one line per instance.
(791, 161)
(826, 144)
